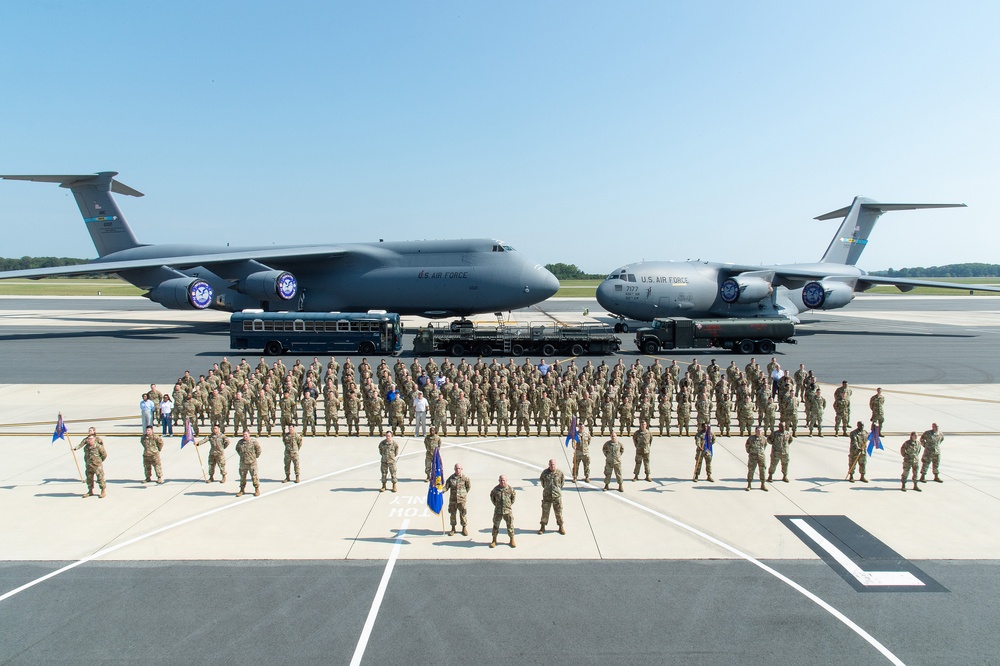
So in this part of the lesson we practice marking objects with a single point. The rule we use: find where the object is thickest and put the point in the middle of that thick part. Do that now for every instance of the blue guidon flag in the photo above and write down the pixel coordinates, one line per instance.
(435, 493)
(574, 433)
(708, 440)
(874, 440)
(188, 436)
(60, 431)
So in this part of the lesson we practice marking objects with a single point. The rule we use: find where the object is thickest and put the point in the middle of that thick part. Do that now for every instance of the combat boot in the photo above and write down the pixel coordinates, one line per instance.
(748, 487)
(621, 488)
(89, 493)
(763, 486)
(650, 480)
(923, 478)
(850, 477)
(223, 479)
(711, 480)
(382, 489)
(393, 486)
(146, 480)
(159, 480)
(208, 480)
(605, 487)
(635, 477)
(938, 479)
(541, 530)
(296, 478)
(785, 479)
(863, 479)
(574, 479)
(769, 479)
(904, 486)
(465, 531)
(587, 479)
(256, 491)
(452, 532)
(916, 487)
(562, 530)
(512, 544)
(103, 494)
(287, 479)
(493, 544)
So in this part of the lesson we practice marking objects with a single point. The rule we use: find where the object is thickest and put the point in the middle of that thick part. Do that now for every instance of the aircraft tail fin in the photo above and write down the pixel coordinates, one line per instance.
(107, 226)
(859, 220)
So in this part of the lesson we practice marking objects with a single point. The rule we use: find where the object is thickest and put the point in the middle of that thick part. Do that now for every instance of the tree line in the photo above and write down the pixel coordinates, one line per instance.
(571, 272)
(973, 270)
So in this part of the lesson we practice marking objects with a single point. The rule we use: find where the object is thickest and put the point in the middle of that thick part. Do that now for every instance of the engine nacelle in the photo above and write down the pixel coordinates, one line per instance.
(824, 295)
(745, 289)
(269, 286)
(182, 294)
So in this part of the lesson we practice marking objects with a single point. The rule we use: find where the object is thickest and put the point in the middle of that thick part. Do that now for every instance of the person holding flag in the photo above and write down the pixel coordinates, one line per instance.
(94, 455)
(218, 443)
(704, 441)
(458, 485)
(856, 454)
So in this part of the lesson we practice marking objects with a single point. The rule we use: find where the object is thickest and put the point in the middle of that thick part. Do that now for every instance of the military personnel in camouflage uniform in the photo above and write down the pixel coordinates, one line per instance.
(216, 453)
(780, 441)
(842, 407)
(352, 409)
(308, 413)
(815, 405)
(432, 442)
(249, 451)
(755, 446)
(94, 455)
(331, 408)
(683, 413)
(503, 497)
(552, 482)
(289, 411)
(152, 444)
(439, 415)
(581, 454)
(704, 441)
(877, 404)
(503, 415)
(858, 456)
(293, 442)
(931, 441)
(388, 450)
(265, 416)
(643, 440)
(613, 451)
(911, 453)
(458, 486)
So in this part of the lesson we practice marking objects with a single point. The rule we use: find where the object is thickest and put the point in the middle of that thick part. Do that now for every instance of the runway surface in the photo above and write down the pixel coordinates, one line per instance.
(331, 571)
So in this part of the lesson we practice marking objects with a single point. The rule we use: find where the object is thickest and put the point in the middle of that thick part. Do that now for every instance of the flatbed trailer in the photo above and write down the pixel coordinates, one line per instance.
(743, 335)
(545, 339)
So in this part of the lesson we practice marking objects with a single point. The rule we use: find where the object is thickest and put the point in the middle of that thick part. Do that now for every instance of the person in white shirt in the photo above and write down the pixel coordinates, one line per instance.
(146, 408)
(420, 410)
(166, 407)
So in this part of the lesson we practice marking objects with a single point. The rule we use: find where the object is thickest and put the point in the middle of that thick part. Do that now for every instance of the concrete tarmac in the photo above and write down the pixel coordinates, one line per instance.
(668, 571)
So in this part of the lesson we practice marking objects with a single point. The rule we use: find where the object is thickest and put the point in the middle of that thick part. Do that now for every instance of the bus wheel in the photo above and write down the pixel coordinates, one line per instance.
(367, 347)
(576, 350)
(272, 348)
(516, 350)
(457, 349)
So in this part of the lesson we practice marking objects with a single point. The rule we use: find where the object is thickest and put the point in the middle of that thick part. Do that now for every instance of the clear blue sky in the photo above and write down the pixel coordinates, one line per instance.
(594, 133)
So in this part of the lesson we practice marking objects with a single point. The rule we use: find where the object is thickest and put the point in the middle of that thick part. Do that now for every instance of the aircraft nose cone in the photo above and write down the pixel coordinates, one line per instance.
(539, 283)
(605, 290)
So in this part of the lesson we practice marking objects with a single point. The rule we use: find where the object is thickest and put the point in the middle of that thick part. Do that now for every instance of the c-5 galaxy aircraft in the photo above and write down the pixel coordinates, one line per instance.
(428, 278)
(646, 290)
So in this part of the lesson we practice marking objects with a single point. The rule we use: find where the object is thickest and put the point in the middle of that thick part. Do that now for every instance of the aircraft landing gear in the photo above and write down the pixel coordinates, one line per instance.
(621, 326)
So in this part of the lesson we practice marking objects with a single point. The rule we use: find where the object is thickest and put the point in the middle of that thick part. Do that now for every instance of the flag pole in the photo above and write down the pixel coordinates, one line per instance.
(75, 460)
(201, 465)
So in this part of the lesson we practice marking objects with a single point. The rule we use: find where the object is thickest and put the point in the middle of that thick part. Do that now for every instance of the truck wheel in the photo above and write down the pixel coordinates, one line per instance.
(485, 350)
(516, 350)
(457, 349)
(272, 348)
(366, 348)
(548, 349)
(765, 347)
(576, 350)
(745, 346)
(650, 346)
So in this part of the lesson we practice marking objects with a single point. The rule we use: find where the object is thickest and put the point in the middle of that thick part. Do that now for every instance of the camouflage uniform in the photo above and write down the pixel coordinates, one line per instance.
(643, 440)
(703, 453)
(331, 410)
(308, 413)
(683, 413)
(931, 441)
(523, 412)
(877, 404)
(503, 415)
(503, 509)
(431, 443)
(94, 455)
(858, 456)
(249, 451)
(581, 454)
(841, 408)
(552, 482)
(780, 441)
(458, 486)
(755, 446)
(151, 447)
(613, 451)
(216, 454)
(293, 442)
(911, 453)
(388, 450)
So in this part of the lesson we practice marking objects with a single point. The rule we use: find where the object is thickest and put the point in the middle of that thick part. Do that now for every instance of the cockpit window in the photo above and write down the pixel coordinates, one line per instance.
(507, 248)
(631, 277)
(499, 247)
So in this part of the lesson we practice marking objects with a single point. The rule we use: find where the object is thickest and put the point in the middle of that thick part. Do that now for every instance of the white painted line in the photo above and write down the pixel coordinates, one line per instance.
(866, 578)
(874, 642)
(366, 632)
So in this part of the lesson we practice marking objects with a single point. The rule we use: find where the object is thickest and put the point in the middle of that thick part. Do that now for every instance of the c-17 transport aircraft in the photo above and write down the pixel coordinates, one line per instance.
(428, 278)
(646, 290)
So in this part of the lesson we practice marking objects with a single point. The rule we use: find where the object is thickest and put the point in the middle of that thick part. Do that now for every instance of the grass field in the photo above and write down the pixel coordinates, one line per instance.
(66, 286)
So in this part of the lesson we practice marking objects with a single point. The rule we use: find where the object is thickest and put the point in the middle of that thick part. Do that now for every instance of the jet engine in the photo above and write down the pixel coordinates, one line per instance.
(825, 295)
(183, 293)
(745, 289)
(269, 285)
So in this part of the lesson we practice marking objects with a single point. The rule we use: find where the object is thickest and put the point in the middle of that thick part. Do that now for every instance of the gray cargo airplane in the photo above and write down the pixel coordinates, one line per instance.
(646, 290)
(435, 279)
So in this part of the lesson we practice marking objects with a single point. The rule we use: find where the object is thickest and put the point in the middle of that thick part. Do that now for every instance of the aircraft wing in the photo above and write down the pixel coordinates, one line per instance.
(904, 284)
(288, 254)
